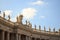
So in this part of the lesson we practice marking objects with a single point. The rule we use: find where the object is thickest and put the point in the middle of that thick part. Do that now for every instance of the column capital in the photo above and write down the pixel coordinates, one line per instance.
(8, 36)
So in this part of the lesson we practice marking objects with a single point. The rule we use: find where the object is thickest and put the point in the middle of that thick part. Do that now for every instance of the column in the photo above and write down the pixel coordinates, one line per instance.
(8, 36)
(3, 35)
(26, 38)
(19, 37)
(16, 36)
(29, 38)
(35, 38)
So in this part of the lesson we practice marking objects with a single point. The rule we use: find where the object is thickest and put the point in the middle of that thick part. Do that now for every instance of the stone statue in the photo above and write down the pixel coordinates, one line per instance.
(49, 29)
(35, 27)
(9, 17)
(54, 30)
(0, 12)
(29, 24)
(44, 28)
(39, 27)
(26, 22)
(17, 19)
(3, 14)
(20, 19)
(59, 30)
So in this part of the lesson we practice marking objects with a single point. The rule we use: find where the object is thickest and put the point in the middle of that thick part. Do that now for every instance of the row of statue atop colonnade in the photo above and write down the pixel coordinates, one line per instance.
(19, 20)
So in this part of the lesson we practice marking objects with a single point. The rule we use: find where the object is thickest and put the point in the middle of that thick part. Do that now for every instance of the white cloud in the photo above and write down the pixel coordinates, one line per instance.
(7, 12)
(29, 13)
(39, 2)
(42, 17)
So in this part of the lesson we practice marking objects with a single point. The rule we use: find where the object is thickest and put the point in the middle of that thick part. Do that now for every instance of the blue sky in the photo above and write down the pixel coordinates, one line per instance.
(40, 12)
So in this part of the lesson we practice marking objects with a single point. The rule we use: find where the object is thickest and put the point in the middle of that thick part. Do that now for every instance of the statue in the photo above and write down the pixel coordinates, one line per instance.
(39, 27)
(3, 14)
(17, 19)
(54, 30)
(44, 28)
(26, 22)
(49, 29)
(29, 24)
(35, 27)
(0, 12)
(59, 30)
(20, 19)
(9, 17)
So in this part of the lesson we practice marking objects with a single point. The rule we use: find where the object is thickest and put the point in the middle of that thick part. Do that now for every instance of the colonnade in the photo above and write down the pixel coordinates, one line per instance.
(4, 35)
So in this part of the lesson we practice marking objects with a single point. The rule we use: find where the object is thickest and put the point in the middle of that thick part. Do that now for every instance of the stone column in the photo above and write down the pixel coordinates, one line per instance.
(16, 36)
(3, 35)
(29, 38)
(19, 37)
(8, 36)
(35, 38)
(26, 38)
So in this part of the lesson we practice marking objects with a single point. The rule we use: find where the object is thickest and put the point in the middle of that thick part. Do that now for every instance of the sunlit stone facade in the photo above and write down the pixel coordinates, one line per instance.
(19, 31)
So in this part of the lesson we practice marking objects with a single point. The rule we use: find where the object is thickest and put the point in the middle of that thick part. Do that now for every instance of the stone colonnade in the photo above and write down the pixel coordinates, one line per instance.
(4, 35)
